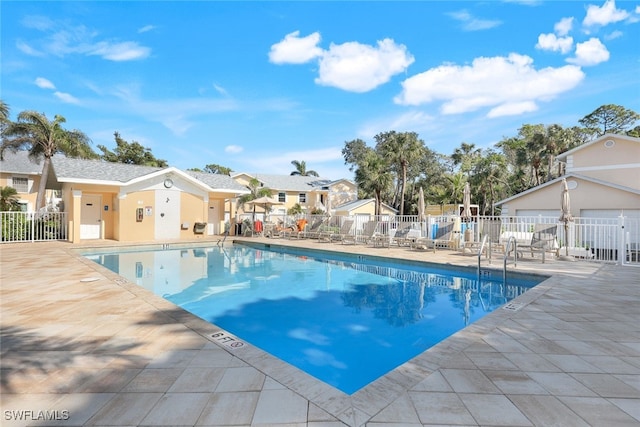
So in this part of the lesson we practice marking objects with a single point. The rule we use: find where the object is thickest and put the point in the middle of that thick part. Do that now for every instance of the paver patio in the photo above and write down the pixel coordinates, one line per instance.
(107, 352)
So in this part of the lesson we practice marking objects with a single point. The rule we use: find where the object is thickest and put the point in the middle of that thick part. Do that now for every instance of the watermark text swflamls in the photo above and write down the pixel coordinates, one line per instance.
(31, 415)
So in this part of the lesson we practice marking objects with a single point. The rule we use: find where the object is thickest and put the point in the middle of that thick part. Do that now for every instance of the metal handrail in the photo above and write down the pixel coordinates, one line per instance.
(484, 240)
(506, 255)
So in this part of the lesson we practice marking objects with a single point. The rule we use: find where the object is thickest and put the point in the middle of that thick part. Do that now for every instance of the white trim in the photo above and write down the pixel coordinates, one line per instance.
(601, 168)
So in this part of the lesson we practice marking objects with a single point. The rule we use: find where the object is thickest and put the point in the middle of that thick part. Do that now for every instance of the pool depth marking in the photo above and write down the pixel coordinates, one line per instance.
(227, 340)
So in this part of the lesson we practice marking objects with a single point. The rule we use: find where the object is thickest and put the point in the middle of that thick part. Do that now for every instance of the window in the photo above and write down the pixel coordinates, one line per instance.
(20, 184)
(302, 198)
(282, 197)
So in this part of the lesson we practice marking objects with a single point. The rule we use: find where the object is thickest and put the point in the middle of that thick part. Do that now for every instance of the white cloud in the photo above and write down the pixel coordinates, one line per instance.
(27, 49)
(471, 23)
(591, 52)
(295, 50)
(358, 67)
(65, 97)
(614, 35)
(563, 26)
(512, 109)
(146, 28)
(220, 89)
(551, 42)
(607, 14)
(507, 85)
(43, 83)
(61, 39)
(233, 149)
(126, 51)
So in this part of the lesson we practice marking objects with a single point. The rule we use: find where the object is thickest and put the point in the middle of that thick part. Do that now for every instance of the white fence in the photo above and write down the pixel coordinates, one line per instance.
(589, 239)
(33, 226)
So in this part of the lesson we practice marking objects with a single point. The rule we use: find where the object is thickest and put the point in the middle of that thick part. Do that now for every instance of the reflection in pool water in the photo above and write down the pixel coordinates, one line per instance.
(340, 319)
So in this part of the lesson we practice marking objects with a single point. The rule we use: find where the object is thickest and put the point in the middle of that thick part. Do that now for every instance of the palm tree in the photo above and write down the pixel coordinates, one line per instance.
(401, 150)
(301, 169)
(256, 192)
(8, 199)
(43, 139)
(373, 177)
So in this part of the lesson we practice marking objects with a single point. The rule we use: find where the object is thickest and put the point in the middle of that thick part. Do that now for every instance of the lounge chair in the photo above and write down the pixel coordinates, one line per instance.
(441, 237)
(368, 235)
(312, 231)
(345, 230)
(296, 231)
(544, 239)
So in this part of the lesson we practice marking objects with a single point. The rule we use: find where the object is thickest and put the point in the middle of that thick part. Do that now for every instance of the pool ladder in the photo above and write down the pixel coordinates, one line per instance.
(511, 240)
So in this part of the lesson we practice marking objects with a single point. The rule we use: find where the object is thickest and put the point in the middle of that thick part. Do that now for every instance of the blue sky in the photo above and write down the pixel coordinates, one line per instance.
(255, 85)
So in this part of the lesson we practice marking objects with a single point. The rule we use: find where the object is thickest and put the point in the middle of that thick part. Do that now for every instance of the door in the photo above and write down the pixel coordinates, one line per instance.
(167, 214)
(214, 218)
(90, 216)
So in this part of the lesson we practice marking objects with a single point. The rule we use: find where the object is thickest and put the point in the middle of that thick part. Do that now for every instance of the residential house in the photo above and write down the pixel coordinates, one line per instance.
(128, 202)
(603, 177)
(310, 192)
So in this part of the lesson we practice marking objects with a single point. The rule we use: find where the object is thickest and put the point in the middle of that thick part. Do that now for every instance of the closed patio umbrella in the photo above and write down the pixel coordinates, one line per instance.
(466, 211)
(466, 202)
(565, 212)
(421, 208)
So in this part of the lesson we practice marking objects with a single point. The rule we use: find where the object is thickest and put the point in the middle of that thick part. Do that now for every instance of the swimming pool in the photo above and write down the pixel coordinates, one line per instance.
(345, 319)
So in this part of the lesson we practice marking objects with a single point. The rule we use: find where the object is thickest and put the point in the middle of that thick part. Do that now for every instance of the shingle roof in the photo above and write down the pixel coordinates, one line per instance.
(291, 182)
(98, 170)
(19, 162)
(218, 181)
(65, 169)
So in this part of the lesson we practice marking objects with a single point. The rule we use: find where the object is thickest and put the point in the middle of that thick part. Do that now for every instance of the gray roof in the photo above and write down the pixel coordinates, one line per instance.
(215, 180)
(66, 169)
(19, 162)
(292, 182)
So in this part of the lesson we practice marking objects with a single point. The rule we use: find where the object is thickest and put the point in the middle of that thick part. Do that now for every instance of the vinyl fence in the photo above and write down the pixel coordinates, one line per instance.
(615, 240)
(33, 226)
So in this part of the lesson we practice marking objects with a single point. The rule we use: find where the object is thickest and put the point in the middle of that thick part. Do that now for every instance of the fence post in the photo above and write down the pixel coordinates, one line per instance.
(622, 255)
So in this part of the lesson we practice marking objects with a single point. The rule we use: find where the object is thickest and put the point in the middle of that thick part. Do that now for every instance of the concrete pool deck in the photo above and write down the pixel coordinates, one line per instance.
(82, 346)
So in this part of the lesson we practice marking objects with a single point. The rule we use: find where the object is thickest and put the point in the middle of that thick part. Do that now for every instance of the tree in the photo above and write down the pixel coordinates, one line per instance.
(301, 169)
(257, 191)
(9, 199)
(610, 118)
(131, 153)
(217, 169)
(466, 156)
(489, 179)
(354, 153)
(43, 139)
(401, 151)
(374, 177)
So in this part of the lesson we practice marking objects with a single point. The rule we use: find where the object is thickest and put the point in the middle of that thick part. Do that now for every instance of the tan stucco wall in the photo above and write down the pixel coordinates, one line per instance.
(6, 180)
(192, 209)
(617, 164)
(130, 228)
(586, 195)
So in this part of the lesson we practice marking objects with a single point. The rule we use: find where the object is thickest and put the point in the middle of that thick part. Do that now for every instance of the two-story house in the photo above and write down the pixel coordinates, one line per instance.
(603, 177)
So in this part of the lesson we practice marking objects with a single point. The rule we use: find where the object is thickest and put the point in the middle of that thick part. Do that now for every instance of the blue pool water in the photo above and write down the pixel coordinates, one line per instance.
(344, 319)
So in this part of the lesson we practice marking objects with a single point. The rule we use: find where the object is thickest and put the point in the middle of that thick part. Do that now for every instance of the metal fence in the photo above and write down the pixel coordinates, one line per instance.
(33, 226)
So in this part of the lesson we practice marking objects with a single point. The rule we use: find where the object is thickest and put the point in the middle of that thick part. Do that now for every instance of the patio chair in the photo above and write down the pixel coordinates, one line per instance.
(312, 231)
(296, 231)
(442, 237)
(544, 239)
(345, 230)
(367, 236)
